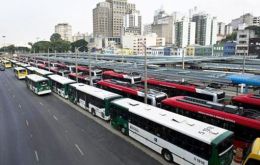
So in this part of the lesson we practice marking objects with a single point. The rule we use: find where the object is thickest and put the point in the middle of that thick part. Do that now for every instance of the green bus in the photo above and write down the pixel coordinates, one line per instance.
(177, 138)
(60, 84)
(92, 99)
(38, 84)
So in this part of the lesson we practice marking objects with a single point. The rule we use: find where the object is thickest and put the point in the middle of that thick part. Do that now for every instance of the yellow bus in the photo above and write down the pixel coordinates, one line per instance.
(7, 64)
(20, 73)
(253, 156)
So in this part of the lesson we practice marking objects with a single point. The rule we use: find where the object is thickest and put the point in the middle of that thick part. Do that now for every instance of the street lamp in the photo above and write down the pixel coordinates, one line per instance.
(145, 74)
(4, 42)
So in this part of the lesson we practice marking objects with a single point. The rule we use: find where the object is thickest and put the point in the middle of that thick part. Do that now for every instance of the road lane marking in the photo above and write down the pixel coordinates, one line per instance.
(55, 117)
(41, 103)
(27, 123)
(79, 149)
(36, 156)
(20, 106)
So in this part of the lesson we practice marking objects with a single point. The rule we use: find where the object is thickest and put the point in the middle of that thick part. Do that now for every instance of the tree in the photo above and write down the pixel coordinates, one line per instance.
(55, 37)
(231, 37)
(41, 46)
(60, 46)
(81, 44)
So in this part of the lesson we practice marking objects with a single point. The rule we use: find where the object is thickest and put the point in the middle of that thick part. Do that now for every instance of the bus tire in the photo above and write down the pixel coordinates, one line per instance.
(167, 155)
(93, 112)
(123, 130)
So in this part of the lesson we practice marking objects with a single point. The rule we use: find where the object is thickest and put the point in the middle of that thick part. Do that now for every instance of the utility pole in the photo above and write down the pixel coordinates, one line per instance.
(244, 61)
(183, 67)
(76, 53)
(89, 68)
(49, 59)
(145, 74)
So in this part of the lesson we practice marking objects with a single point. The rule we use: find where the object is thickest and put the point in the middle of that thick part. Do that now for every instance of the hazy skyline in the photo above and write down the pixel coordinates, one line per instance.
(25, 21)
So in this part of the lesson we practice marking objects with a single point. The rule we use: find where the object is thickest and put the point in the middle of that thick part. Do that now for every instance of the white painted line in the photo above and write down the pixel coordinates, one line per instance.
(27, 123)
(55, 117)
(41, 103)
(36, 156)
(20, 106)
(79, 149)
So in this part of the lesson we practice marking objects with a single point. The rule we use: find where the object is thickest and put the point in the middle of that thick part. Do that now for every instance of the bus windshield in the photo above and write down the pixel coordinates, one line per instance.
(43, 83)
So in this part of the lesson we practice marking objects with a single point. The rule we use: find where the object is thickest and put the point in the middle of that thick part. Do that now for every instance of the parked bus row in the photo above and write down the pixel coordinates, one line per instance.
(81, 97)
(170, 88)
(177, 138)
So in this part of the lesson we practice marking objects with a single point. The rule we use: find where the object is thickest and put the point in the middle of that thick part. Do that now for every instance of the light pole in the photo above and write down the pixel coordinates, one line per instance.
(49, 59)
(89, 68)
(4, 43)
(76, 53)
(145, 74)
(183, 58)
(244, 60)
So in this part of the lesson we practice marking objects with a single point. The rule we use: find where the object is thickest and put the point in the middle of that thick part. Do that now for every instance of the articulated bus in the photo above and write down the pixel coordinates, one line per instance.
(7, 64)
(38, 84)
(93, 99)
(31, 69)
(248, 101)
(253, 155)
(60, 84)
(130, 78)
(180, 89)
(85, 71)
(84, 79)
(42, 72)
(133, 91)
(245, 123)
(178, 138)
(20, 73)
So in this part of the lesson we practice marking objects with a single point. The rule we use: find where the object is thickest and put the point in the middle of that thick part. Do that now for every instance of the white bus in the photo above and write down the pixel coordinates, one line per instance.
(93, 99)
(42, 72)
(38, 84)
(59, 84)
(178, 138)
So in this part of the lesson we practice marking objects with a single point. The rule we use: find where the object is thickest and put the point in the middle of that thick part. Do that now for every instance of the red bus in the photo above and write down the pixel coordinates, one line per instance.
(84, 78)
(85, 71)
(133, 91)
(245, 123)
(181, 89)
(248, 101)
(132, 78)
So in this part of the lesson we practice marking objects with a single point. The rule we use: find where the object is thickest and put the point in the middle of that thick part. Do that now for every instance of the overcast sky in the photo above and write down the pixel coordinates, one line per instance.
(23, 21)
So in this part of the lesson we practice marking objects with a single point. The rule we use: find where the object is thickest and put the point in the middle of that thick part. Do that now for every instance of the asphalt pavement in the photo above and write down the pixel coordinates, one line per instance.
(45, 130)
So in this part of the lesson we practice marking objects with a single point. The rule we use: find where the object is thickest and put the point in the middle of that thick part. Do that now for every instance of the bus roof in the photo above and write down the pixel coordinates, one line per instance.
(36, 78)
(32, 68)
(19, 68)
(97, 92)
(60, 79)
(201, 131)
(43, 72)
(248, 99)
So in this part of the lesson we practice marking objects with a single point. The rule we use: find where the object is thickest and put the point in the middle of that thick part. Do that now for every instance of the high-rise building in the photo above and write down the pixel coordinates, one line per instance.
(102, 25)
(163, 25)
(147, 29)
(228, 29)
(246, 18)
(243, 37)
(79, 36)
(206, 29)
(256, 21)
(221, 28)
(108, 17)
(184, 33)
(65, 30)
(132, 23)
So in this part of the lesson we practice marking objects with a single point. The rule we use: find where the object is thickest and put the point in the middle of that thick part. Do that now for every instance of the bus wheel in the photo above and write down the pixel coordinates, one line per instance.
(167, 155)
(123, 131)
(93, 112)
